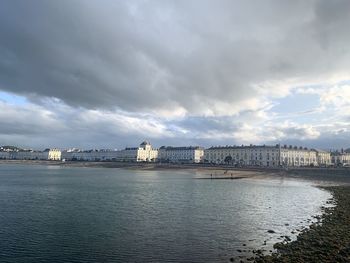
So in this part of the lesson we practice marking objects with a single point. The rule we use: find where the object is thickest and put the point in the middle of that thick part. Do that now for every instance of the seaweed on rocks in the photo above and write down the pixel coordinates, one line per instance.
(327, 240)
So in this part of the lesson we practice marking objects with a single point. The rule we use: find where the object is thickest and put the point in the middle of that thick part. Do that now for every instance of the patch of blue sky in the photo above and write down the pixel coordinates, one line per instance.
(296, 104)
(344, 82)
(12, 98)
(299, 108)
(309, 119)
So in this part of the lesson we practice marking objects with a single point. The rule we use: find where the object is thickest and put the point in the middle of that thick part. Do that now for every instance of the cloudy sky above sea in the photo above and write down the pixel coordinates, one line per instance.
(109, 74)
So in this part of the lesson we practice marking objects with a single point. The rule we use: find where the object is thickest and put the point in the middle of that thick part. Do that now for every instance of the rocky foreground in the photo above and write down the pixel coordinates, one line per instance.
(328, 241)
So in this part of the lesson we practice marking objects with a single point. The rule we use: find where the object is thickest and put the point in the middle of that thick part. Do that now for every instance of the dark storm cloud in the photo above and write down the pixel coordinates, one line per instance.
(112, 73)
(166, 54)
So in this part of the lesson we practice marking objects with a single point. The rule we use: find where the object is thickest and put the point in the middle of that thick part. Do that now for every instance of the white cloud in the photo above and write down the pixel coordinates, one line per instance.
(183, 71)
(337, 96)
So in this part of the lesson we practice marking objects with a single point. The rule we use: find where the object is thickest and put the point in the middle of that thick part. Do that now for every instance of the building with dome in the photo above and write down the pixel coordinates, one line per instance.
(143, 153)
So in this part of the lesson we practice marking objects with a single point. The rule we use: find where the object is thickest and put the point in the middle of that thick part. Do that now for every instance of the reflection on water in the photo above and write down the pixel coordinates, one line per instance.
(114, 215)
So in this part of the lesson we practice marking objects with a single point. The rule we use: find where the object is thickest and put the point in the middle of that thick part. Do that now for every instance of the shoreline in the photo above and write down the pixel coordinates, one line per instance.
(320, 176)
(327, 240)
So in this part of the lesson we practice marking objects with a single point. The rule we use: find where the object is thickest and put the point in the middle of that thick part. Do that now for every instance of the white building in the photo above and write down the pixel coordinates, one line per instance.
(323, 158)
(298, 156)
(261, 155)
(28, 155)
(143, 153)
(191, 154)
(91, 155)
(243, 155)
(4, 155)
(54, 154)
(340, 158)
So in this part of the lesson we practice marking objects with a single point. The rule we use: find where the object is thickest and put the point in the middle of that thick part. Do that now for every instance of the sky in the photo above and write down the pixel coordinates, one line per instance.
(110, 74)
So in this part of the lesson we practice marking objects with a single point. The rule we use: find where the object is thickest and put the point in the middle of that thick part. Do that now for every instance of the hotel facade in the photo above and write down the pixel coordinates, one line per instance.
(90, 155)
(191, 154)
(143, 153)
(25, 155)
(267, 156)
(243, 155)
(54, 154)
(341, 158)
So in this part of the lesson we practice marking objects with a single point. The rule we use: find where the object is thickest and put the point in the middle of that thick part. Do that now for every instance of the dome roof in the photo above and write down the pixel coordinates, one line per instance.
(145, 143)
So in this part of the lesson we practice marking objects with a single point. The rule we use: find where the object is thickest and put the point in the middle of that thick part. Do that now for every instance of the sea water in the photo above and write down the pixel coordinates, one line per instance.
(68, 214)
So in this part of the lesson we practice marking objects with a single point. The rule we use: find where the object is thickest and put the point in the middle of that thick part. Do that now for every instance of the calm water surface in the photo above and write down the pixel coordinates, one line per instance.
(62, 214)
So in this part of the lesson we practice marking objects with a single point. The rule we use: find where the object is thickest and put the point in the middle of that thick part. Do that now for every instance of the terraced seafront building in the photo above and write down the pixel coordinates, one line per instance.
(324, 158)
(268, 156)
(298, 156)
(190, 154)
(143, 153)
(251, 155)
(29, 155)
(341, 158)
(49, 154)
(4, 155)
(89, 155)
